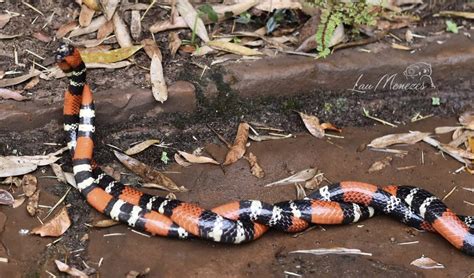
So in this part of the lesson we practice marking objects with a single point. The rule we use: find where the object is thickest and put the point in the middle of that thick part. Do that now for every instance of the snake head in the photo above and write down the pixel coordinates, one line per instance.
(64, 50)
(67, 57)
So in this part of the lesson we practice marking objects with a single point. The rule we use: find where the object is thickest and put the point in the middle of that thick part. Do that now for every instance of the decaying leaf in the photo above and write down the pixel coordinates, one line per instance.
(197, 158)
(148, 174)
(12, 181)
(70, 179)
(446, 129)
(457, 151)
(426, 263)
(115, 65)
(18, 202)
(158, 84)
(379, 165)
(259, 138)
(6, 198)
(174, 42)
(233, 48)
(181, 161)
(85, 16)
(110, 56)
(399, 138)
(66, 28)
(301, 176)
(94, 26)
(32, 83)
(109, 7)
(238, 148)
(6, 82)
(467, 120)
(41, 36)
(4, 19)
(9, 94)
(105, 30)
(32, 204)
(93, 4)
(10, 167)
(56, 226)
(74, 272)
(138, 148)
(312, 124)
(335, 250)
(195, 23)
(29, 184)
(151, 48)
(109, 170)
(135, 25)
(121, 32)
(58, 172)
(300, 193)
(255, 168)
(315, 181)
(105, 223)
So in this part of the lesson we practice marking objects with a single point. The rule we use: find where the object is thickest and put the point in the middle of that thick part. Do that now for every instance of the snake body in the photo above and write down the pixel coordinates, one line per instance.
(239, 221)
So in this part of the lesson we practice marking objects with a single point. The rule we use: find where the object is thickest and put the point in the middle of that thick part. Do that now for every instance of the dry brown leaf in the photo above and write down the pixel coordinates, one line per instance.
(379, 165)
(195, 23)
(41, 37)
(12, 181)
(9, 37)
(446, 129)
(58, 172)
(335, 250)
(135, 25)
(9, 94)
(259, 138)
(197, 159)
(6, 198)
(111, 56)
(109, 7)
(233, 48)
(4, 19)
(158, 84)
(17, 80)
(401, 47)
(66, 28)
(457, 151)
(18, 202)
(70, 270)
(121, 32)
(398, 138)
(94, 26)
(148, 174)
(151, 48)
(116, 65)
(315, 181)
(32, 204)
(29, 184)
(181, 161)
(238, 148)
(105, 30)
(467, 120)
(255, 168)
(9, 167)
(86, 15)
(174, 42)
(105, 223)
(312, 124)
(301, 176)
(32, 83)
(93, 4)
(109, 170)
(329, 126)
(426, 263)
(56, 226)
(138, 148)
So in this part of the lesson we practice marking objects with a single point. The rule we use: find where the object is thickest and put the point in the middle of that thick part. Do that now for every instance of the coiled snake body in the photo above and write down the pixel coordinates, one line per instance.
(239, 221)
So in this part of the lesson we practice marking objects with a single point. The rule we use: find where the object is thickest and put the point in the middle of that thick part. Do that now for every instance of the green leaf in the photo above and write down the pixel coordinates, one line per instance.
(451, 26)
(164, 157)
(209, 11)
(435, 101)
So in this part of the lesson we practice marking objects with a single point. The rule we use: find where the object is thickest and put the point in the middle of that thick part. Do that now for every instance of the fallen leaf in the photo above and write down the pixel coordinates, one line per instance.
(329, 126)
(301, 176)
(151, 48)
(14, 168)
(32, 83)
(315, 181)
(105, 223)
(312, 124)
(399, 138)
(259, 138)
(181, 161)
(401, 47)
(468, 15)
(197, 159)
(32, 204)
(116, 65)
(456, 151)
(109, 170)
(335, 250)
(66, 28)
(69, 270)
(135, 274)
(93, 4)
(255, 168)
(9, 37)
(6, 198)
(446, 129)
(58, 172)
(138, 148)
(4, 19)
(17, 80)
(467, 120)
(148, 174)
(110, 56)
(379, 165)
(29, 184)
(174, 42)
(158, 84)
(109, 7)
(12, 181)
(233, 48)
(300, 193)
(18, 202)
(426, 263)
(56, 226)
(105, 30)
(70, 179)
(9, 94)
(121, 32)
(85, 16)
(135, 25)
(94, 26)
(194, 22)
(238, 148)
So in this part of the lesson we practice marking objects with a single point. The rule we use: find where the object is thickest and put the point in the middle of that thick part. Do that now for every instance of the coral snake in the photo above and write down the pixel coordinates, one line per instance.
(238, 221)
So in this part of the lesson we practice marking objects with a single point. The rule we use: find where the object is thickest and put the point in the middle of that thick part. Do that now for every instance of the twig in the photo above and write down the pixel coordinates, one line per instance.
(147, 9)
(32, 53)
(220, 137)
(32, 7)
(366, 114)
(57, 204)
(449, 193)
(405, 168)
(292, 274)
(469, 203)
(408, 243)
(114, 234)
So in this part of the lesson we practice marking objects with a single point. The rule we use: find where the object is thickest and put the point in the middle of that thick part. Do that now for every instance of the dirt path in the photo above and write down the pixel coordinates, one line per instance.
(269, 256)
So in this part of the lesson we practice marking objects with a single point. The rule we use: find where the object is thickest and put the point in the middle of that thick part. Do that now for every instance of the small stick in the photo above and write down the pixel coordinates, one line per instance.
(139, 233)
(366, 114)
(50, 274)
(469, 203)
(147, 9)
(449, 193)
(220, 137)
(54, 242)
(100, 261)
(33, 53)
(114, 234)
(57, 204)
(408, 243)
(405, 168)
(32, 7)
(422, 157)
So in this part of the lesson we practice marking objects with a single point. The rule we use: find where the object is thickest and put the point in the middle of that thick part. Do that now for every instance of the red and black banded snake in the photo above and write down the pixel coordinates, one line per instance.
(239, 221)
